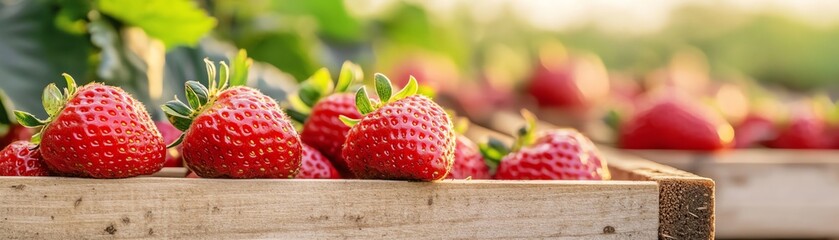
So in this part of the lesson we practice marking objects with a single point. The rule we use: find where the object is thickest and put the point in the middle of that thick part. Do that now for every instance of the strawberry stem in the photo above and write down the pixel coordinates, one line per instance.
(526, 134)
(53, 101)
(493, 150)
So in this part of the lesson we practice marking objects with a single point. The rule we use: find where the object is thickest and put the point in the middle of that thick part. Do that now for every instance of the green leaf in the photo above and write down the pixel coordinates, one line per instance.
(362, 101)
(34, 50)
(426, 91)
(241, 66)
(71, 84)
(493, 151)
(174, 22)
(211, 75)
(6, 110)
(36, 138)
(180, 123)
(296, 115)
(409, 90)
(527, 133)
(350, 122)
(309, 96)
(383, 87)
(28, 120)
(52, 99)
(192, 98)
(321, 81)
(350, 72)
(298, 104)
(224, 75)
(201, 92)
(177, 141)
(177, 107)
(332, 17)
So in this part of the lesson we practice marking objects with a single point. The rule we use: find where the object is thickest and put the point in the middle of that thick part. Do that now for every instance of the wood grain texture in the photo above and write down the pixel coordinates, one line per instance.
(151, 207)
(171, 172)
(767, 193)
(687, 209)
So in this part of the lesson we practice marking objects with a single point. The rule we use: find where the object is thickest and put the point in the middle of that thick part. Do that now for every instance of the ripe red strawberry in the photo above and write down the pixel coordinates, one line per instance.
(325, 132)
(804, 131)
(557, 154)
(171, 134)
(672, 123)
(14, 133)
(234, 132)
(22, 158)
(318, 105)
(753, 130)
(315, 165)
(468, 161)
(573, 83)
(96, 131)
(406, 136)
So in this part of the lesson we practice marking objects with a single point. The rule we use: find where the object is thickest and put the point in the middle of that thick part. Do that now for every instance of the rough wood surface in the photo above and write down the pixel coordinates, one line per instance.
(687, 200)
(172, 172)
(767, 193)
(71, 208)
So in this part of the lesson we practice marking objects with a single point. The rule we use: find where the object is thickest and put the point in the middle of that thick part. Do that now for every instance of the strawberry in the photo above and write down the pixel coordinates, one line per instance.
(557, 154)
(10, 130)
(233, 131)
(753, 130)
(468, 161)
(315, 165)
(804, 131)
(96, 131)
(22, 158)
(573, 83)
(406, 136)
(14, 133)
(170, 134)
(673, 123)
(318, 105)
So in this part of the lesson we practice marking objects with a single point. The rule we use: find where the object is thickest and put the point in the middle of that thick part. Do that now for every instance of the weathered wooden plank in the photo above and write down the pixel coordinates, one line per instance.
(767, 193)
(71, 208)
(686, 200)
(172, 172)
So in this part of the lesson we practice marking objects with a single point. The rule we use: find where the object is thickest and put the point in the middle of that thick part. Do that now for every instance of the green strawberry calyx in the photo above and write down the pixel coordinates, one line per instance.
(53, 100)
(384, 89)
(200, 98)
(493, 150)
(319, 86)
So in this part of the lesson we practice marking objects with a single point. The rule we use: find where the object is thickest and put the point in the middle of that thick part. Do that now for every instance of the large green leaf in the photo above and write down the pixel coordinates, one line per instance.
(175, 22)
(35, 52)
(333, 20)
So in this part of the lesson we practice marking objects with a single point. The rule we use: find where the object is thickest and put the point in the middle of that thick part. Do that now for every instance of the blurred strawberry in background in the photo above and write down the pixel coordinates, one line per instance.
(433, 73)
(669, 121)
(10, 130)
(572, 83)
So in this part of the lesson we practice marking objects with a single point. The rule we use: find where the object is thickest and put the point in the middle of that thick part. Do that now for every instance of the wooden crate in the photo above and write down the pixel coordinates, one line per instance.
(646, 201)
(762, 193)
(767, 193)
